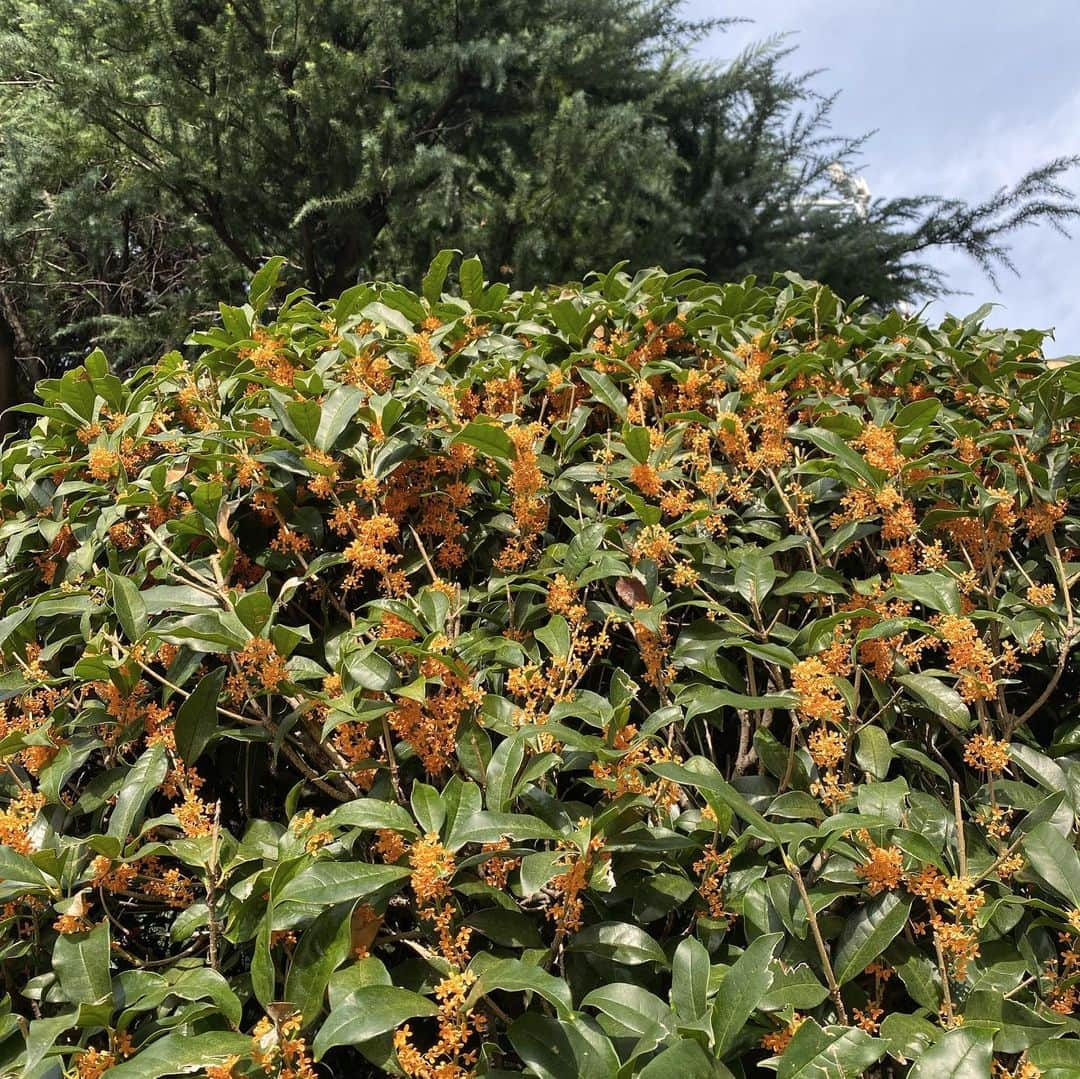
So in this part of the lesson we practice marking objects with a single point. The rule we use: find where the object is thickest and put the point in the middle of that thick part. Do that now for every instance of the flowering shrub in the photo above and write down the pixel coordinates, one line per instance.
(645, 678)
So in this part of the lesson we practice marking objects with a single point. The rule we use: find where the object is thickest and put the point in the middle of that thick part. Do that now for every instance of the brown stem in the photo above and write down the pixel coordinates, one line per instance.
(815, 929)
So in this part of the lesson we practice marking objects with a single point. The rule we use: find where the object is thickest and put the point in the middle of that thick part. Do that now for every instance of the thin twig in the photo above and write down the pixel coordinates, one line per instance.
(961, 845)
(815, 929)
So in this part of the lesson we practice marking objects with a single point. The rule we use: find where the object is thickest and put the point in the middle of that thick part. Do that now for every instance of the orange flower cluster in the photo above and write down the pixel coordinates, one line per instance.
(654, 654)
(987, 753)
(94, 1063)
(653, 542)
(367, 550)
(259, 668)
(270, 356)
(389, 846)
(957, 935)
(819, 699)
(16, 818)
(712, 867)
(969, 657)
(777, 1041)
(496, 871)
(101, 463)
(279, 1050)
(451, 1056)
(112, 876)
(1064, 995)
(195, 816)
(562, 598)
(430, 726)
(879, 448)
(624, 776)
(1041, 595)
(1041, 518)
(646, 479)
(567, 909)
(528, 509)
(432, 867)
(827, 747)
(353, 742)
(883, 869)
(831, 789)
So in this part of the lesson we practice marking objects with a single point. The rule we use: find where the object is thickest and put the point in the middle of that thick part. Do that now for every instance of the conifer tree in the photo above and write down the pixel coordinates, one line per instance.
(152, 155)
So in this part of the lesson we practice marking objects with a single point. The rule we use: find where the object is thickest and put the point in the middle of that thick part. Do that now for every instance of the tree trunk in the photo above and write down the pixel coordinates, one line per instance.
(9, 376)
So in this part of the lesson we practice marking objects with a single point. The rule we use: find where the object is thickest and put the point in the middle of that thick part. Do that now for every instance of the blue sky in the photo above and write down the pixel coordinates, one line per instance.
(964, 95)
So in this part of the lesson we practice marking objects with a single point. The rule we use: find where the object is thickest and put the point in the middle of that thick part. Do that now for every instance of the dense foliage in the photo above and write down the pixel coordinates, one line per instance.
(648, 677)
(153, 153)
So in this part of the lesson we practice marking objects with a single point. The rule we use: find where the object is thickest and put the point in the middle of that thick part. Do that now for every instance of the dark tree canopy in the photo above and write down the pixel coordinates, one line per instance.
(153, 154)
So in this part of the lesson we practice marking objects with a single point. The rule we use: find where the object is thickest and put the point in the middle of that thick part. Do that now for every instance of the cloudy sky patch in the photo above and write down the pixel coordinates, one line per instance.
(965, 96)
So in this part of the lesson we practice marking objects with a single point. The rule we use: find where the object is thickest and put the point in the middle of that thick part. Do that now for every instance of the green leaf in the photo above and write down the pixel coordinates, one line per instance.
(933, 590)
(706, 777)
(81, 962)
(829, 1053)
(917, 414)
(941, 699)
(42, 1037)
(690, 978)
(337, 411)
(490, 827)
(324, 946)
(604, 390)
(327, 883)
(471, 279)
(197, 717)
(631, 1011)
(908, 1035)
(516, 976)
(370, 814)
(343, 983)
(435, 278)
(961, 1053)
(144, 777)
(637, 443)
(505, 764)
(428, 808)
(580, 550)
(305, 417)
(868, 932)
(265, 282)
(181, 1053)
(130, 608)
(490, 439)
(401, 299)
(555, 636)
(745, 983)
(754, 577)
(797, 987)
(873, 752)
(368, 1012)
(684, 1060)
(17, 869)
(553, 1049)
(838, 451)
(620, 942)
(1054, 858)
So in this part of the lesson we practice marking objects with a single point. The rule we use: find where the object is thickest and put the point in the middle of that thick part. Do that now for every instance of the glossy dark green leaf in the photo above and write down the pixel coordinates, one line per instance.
(197, 717)
(744, 985)
(327, 883)
(868, 932)
(368, 1012)
(961, 1053)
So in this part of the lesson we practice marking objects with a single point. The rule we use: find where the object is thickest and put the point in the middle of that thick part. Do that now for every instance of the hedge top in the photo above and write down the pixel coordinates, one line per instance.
(649, 677)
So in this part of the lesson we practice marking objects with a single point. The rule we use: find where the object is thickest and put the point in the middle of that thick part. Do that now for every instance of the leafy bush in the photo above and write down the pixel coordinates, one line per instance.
(644, 678)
